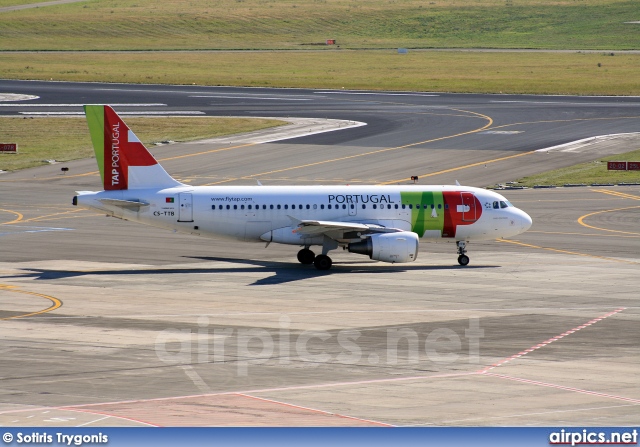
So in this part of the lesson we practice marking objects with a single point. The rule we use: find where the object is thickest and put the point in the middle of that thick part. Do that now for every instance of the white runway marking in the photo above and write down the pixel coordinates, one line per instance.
(163, 113)
(253, 97)
(374, 93)
(29, 229)
(80, 105)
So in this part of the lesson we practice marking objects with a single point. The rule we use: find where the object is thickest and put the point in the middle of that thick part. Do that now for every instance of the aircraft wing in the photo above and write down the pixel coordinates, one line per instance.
(336, 230)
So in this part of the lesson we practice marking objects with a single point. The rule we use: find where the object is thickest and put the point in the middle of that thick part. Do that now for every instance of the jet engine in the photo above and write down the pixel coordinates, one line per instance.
(388, 247)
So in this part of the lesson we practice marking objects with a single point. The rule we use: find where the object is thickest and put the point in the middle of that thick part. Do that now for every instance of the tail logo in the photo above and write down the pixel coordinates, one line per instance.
(123, 160)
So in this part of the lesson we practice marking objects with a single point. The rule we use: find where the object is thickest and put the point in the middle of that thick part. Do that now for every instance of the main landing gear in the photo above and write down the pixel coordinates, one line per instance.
(321, 262)
(463, 259)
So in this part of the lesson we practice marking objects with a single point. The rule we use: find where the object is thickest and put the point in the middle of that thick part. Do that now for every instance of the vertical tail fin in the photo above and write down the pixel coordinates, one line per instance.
(123, 160)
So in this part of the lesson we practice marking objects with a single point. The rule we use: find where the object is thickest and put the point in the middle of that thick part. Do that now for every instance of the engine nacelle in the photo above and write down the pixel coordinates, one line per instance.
(388, 247)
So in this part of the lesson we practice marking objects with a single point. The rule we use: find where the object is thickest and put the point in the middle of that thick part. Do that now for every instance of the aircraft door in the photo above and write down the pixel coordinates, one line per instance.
(185, 213)
(469, 211)
(353, 209)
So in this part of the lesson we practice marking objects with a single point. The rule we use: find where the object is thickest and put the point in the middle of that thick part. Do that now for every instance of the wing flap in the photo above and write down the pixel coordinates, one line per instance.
(315, 227)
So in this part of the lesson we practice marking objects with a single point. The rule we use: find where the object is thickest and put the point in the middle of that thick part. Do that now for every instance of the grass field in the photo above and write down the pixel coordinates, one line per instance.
(64, 139)
(588, 173)
(537, 73)
(299, 24)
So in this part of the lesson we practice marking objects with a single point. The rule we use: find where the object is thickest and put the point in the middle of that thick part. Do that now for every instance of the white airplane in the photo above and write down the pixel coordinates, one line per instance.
(382, 222)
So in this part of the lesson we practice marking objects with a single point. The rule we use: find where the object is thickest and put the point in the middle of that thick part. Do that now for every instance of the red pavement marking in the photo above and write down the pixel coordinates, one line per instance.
(549, 341)
(229, 410)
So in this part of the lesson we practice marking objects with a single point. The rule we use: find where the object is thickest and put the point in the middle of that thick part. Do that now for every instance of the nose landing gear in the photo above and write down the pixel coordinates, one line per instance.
(463, 259)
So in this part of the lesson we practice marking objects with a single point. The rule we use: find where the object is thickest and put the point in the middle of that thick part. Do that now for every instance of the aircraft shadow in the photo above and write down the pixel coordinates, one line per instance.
(283, 272)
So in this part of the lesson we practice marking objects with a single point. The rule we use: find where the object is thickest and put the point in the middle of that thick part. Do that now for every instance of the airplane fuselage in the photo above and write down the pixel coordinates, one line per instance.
(382, 222)
(271, 213)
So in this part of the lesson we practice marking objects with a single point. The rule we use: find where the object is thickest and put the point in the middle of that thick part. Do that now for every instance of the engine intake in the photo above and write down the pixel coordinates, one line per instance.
(388, 247)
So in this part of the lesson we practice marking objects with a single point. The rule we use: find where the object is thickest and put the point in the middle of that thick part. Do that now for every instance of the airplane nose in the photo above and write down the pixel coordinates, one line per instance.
(525, 221)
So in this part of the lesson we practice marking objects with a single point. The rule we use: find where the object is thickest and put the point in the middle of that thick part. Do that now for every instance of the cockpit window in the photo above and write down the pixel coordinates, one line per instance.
(496, 205)
(503, 204)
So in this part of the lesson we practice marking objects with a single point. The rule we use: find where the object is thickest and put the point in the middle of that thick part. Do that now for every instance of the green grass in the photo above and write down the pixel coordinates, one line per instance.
(299, 24)
(64, 139)
(537, 73)
(588, 173)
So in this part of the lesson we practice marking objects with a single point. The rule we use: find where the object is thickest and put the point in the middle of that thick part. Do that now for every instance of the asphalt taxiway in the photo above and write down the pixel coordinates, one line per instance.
(106, 322)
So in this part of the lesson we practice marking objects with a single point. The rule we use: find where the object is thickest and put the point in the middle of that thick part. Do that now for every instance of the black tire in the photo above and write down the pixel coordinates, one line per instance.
(463, 260)
(322, 262)
(306, 256)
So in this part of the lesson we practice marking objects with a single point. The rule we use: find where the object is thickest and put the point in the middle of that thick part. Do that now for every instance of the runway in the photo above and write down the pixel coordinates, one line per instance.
(106, 322)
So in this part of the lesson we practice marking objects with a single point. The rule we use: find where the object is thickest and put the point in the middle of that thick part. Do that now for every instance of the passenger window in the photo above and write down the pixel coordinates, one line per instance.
(344, 207)
(364, 207)
(300, 207)
(235, 207)
(241, 207)
(315, 207)
(321, 207)
(404, 206)
(375, 207)
(396, 206)
(308, 206)
(353, 206)
(410, 206)
(446, 206)
(440, 206)
(329, 206)
(279, 206)
(228, 207)
(389, 206)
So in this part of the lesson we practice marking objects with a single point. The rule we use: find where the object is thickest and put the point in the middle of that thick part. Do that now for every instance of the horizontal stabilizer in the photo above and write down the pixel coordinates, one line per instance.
(133, 205)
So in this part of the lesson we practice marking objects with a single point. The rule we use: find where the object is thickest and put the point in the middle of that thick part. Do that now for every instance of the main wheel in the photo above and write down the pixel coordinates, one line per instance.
(306, 256)
(463, 260)
(322, 262)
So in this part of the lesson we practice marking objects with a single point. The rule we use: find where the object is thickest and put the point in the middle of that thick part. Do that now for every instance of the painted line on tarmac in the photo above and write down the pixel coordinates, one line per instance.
(551, 340)
(565, 388)
(582, 218)
(31, 229)
(18, 219)
(315, 410)
(567, 252)
(81, 105)
(620, 194)
(141, 114)
(56, 303)
(265, 390)
(535, 413)
(445, 171)
(364, 154)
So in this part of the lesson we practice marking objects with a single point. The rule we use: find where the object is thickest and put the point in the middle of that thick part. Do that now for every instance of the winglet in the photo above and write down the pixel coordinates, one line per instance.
(124, 162)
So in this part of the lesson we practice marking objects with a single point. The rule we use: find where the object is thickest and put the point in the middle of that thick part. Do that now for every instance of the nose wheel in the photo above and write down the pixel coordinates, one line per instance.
(463, 259)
